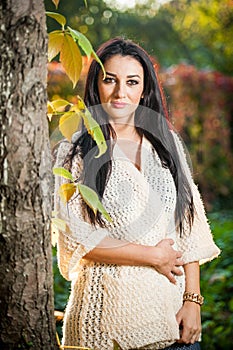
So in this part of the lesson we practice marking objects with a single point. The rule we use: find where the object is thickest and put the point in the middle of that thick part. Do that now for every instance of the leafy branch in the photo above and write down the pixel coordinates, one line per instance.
(69, 121)
(90, 197)
(66, 43)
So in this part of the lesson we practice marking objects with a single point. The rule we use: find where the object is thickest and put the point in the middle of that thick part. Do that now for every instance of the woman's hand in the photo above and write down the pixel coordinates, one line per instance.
(162, 257)
(168, 260)
(189, 320)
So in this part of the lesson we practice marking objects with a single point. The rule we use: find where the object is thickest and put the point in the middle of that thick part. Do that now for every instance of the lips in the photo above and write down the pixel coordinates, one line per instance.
(118, 104)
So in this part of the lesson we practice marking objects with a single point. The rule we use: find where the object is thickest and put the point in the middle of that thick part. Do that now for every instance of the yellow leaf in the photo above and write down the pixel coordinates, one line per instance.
(71, 59)
(56, 107)
(55, 43)
(59, 18)
(68, 124)
(50, 111)
(59, 105)
(50, 108)
(66, 191)
(56, 3)
(81, 105)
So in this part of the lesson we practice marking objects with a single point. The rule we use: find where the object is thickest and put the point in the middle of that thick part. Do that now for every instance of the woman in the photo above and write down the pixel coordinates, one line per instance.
(135, 280)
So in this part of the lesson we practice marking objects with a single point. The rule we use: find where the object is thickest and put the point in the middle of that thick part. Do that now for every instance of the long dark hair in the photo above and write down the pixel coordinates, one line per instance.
(151, 120)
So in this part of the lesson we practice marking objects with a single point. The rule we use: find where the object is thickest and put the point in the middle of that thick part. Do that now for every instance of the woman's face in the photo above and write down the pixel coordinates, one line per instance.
(120, 92)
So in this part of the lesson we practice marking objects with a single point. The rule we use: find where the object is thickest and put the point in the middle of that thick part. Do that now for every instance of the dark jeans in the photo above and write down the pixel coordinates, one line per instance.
(177, 346)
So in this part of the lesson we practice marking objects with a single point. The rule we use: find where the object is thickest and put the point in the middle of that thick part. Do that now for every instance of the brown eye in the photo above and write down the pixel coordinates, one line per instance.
(109, 80)
(132, 82)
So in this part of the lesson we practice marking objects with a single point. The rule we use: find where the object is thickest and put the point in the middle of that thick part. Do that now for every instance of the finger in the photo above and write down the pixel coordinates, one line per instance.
(195, 338)
(171, 278)
(190, 339)
(177, 271)
(179, 262)
(170, 241)
(178, 254)
(186, 336)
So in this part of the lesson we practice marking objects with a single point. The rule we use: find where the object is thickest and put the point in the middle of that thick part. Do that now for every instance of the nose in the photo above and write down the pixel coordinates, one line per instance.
(120, 90)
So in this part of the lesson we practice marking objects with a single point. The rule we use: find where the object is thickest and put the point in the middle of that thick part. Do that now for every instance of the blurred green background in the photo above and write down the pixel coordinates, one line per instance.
(192, 43)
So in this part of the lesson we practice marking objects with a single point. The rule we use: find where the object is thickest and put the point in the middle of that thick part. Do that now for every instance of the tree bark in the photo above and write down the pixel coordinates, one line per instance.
(26, 294)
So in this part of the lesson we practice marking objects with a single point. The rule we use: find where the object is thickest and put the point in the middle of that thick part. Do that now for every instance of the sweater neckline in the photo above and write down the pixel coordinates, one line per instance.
(145, 147)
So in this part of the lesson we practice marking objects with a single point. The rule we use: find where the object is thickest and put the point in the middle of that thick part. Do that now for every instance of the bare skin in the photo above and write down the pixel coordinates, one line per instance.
(189, 316)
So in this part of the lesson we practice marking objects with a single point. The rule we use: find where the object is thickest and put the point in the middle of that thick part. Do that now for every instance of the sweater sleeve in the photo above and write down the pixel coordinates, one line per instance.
(79, 237)
(197, 245)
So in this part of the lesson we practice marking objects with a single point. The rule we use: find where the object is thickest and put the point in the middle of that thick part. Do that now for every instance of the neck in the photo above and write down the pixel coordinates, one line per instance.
(125, 130)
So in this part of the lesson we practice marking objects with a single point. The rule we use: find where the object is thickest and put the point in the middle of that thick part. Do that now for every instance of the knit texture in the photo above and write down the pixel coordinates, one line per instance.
(134, 305)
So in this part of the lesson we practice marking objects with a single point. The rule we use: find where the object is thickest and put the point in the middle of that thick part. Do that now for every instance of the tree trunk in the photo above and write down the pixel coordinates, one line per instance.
(26, 294)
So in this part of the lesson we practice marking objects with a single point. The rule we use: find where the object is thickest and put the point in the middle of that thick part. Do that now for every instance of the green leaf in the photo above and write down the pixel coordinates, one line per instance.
(59, 18)
(93, 129)
(83, 42)
(71, 59)
(59, 224)
(68, 124)
(55, 43)
(63, 172)
(92, 200)
(94, 55)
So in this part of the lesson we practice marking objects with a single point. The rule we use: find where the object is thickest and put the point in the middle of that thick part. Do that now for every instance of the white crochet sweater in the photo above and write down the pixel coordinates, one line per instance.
(134, 305)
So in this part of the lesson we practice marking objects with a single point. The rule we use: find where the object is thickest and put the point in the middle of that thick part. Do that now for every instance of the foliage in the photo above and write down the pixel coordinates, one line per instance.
(197, 32)
(201, 106)
(217, 287)
(96, 20)
(206, 28)
(67, 190)
(68, 125)
(60, 86)
(63, 42)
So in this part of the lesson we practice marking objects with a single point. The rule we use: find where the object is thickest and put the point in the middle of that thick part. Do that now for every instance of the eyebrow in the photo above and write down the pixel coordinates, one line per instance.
(128, 76)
